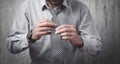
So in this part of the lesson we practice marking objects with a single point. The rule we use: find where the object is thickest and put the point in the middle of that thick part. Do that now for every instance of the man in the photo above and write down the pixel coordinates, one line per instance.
(54, 30)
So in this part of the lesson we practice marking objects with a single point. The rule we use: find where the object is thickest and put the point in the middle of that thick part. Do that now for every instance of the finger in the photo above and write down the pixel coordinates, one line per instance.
(43, 33)
(39, 22)
(65, 30)
(49, 24)
(44, 20)
(67, 34)
(64, 26)
(46, 24)
(66, 38)
(43, 28)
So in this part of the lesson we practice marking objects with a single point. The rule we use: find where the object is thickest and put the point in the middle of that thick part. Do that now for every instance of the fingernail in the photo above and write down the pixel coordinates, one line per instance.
(56, 29)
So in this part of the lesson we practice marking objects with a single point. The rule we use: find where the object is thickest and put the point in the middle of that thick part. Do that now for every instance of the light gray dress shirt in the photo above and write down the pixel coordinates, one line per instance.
(73, 12)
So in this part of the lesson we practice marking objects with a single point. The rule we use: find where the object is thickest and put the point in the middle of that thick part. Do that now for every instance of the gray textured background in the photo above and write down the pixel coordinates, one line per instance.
(106, 14)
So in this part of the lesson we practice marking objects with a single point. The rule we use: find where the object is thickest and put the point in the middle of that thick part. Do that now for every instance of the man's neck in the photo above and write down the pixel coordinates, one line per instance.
(52, 6)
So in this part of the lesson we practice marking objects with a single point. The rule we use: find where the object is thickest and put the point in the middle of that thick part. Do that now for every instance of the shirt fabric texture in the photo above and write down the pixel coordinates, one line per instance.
(71, 12)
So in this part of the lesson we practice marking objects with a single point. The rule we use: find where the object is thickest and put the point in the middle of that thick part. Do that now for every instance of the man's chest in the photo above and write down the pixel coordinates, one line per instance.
(65, 16)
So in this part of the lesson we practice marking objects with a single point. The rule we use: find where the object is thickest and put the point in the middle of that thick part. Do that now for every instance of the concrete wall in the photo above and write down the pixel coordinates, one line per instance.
(106, 15)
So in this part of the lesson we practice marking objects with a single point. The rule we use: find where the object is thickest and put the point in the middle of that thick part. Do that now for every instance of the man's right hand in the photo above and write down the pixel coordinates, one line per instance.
(42, 27)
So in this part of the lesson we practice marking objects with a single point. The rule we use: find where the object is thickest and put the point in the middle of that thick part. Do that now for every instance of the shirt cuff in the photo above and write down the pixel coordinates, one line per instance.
(91, 46)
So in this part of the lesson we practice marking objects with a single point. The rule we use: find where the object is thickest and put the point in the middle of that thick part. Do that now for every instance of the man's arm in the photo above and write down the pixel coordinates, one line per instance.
(86, 38)
(17, 40)
(22, 33)
(88, 32)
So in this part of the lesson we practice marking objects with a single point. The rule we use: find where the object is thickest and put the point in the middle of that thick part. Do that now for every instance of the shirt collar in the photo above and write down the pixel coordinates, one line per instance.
(65, 3)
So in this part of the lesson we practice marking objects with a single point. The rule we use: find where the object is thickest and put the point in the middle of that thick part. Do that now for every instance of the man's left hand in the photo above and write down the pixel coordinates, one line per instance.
(69, 32)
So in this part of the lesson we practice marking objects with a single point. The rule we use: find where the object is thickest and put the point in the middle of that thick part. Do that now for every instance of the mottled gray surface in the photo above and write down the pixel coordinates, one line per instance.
(106, 14)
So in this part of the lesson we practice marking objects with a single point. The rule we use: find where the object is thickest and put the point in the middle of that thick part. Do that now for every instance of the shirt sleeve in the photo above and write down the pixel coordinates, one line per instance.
(17, 40)
(88, 32)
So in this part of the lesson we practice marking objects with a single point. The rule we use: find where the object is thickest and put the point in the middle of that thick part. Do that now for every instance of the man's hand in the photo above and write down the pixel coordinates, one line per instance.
(68, 32)
(42, 27)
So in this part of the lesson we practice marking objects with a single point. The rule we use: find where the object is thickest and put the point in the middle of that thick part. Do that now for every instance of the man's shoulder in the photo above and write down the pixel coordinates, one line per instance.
(34, 1)
(79, 5)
